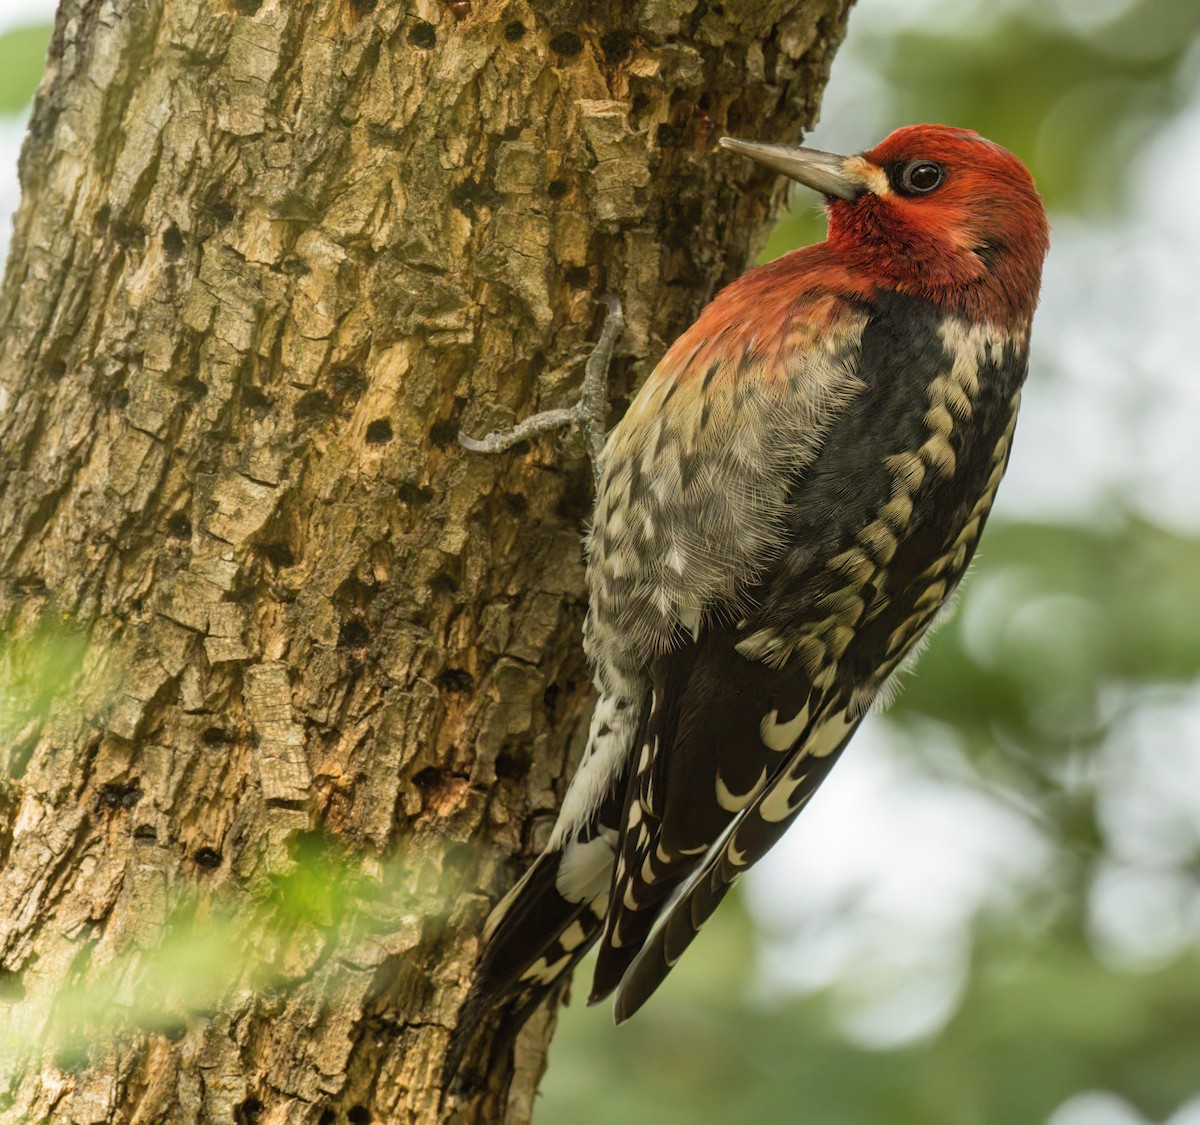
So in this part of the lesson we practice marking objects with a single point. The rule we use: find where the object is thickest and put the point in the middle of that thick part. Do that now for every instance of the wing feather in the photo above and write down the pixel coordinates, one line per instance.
(753, 833)
(713, 750)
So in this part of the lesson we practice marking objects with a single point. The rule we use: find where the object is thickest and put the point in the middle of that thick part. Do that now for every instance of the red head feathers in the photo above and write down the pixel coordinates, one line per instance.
(933, 212)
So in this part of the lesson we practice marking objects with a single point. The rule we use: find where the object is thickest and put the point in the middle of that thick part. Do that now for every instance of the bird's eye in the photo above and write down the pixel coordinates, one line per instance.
(920, 177)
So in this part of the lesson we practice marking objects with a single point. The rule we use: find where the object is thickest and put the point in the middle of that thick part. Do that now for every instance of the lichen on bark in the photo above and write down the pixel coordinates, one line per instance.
(269, 258)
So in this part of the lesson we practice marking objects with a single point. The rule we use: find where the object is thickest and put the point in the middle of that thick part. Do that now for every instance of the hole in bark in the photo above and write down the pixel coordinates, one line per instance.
(287, 803)
(557, 189)
(616, 46)
(179, 526)
(207, 858)
(578, 276)
(254, 398)
(639, 103)
(676, 228)
(222, 211)
(511, 767)
(358, 1115)
(348, 385)
(120, 398)
(193, 387)
(316, 406)
(516, 504)
(173, 242)
(55, 370)
(278, 554)
(248, 1111)
(362, 7)
(115, 796)
(379, 432)
(469, 193)
(145, 832)
(514, 31)
(444, 434)
(455, 680)
(667, 136)
(550, 698)
(464, 199)
(354, 594)
(567, 44)
(328, 1117)
(575, 504)
(443, 584)
(216, 736)
(422, 35)
(247, 7)
(428, 778)
(128, 234)
(12, 985)
(413, 496)
(353, 634)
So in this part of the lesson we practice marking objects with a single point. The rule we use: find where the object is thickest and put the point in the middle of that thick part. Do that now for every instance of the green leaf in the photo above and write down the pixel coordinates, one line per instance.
(22, 60)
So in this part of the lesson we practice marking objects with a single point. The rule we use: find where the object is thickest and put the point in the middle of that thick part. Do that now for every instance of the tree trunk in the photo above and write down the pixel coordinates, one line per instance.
(317, 678)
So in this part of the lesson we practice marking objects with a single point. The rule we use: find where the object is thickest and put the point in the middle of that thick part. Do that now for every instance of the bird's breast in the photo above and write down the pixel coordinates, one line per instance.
(696, 482)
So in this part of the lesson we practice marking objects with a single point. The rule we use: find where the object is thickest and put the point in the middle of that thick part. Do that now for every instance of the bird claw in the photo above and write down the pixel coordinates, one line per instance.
(588, 411)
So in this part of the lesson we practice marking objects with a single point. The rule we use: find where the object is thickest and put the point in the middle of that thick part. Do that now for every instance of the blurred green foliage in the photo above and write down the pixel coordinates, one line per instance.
(278, 931)
(1035, 1026)
(1078, 609)
(34, 672)
(272, 929)
(22, 58)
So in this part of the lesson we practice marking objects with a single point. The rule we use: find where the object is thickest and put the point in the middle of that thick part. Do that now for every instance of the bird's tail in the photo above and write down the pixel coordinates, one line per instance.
(536, 935)
(543, 927)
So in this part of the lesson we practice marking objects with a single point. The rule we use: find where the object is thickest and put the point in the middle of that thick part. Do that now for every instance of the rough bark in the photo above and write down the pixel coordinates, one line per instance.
(270, 257)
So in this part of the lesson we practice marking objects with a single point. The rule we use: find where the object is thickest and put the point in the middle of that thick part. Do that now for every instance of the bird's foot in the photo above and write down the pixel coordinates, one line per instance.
(587, 413)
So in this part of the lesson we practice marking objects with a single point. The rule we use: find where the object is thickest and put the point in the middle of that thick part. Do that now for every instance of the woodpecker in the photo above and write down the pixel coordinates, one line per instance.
(783, 512)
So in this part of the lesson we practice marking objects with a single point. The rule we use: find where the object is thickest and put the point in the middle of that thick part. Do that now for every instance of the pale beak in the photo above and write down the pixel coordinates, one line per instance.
(822, 171)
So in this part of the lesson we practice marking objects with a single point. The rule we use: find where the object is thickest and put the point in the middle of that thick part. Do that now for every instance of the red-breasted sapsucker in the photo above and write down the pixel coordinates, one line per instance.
(787, 505)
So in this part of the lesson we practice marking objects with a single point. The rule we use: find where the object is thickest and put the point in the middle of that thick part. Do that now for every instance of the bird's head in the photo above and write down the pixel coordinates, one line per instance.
(933, 211)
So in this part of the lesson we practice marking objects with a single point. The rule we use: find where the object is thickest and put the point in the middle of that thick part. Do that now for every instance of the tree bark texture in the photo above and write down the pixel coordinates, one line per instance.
(270, 257)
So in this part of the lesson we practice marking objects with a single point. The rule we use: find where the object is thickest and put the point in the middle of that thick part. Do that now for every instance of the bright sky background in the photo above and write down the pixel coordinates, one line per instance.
(879, 880)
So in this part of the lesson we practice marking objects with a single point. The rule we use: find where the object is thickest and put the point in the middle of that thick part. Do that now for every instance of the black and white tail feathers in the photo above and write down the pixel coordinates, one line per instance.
(544, 926)
(523, 957)
(685, 835)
